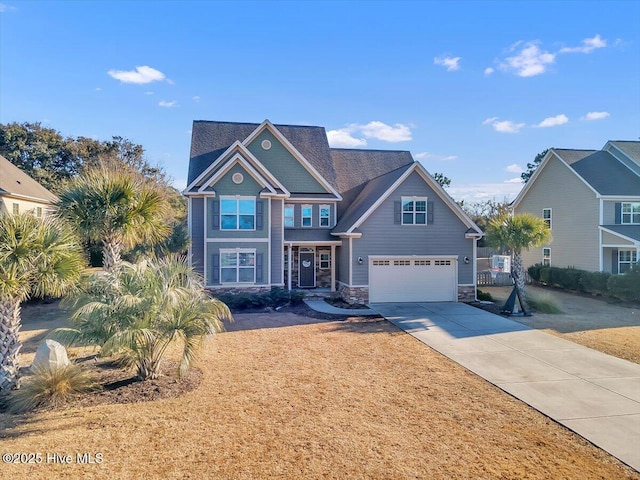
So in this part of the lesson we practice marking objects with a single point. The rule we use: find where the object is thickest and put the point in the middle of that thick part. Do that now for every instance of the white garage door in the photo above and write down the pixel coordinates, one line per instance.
(413, 279)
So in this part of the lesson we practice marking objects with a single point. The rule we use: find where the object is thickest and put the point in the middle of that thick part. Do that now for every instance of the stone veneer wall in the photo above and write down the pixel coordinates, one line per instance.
(353, 295)
(466, 293)
(237, 290)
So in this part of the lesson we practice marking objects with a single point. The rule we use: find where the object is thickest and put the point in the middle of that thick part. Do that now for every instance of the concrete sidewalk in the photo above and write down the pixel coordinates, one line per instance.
(594, 394)
(324, 307)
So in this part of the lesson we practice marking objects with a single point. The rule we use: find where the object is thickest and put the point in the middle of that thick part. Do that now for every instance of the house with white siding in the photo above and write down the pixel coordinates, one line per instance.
(591, 201)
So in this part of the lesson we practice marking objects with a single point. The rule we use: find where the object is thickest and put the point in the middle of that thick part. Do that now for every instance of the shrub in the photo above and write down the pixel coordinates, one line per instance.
(51, 387)
(595, 282)
(544, 303)
(534, 272)
(277, 297)
(545, 275)
(625, 286)
(484, 296)
(568, 278)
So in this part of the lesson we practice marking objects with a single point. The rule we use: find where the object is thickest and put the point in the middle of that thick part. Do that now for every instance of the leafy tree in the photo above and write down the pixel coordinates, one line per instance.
(531, 167)
(37, 257)
(516, 233)
(139, 310)
(115, 207)
(482, 213)
(444, 182)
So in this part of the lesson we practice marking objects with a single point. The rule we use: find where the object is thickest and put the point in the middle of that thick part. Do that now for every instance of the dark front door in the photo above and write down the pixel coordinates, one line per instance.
(307, 270)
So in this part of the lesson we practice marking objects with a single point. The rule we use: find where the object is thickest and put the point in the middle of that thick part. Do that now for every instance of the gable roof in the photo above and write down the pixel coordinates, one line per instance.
(630, 148)
(14, 181)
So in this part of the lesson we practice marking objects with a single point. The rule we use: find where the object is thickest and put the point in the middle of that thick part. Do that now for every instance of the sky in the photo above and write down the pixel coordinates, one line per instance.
(474, 90)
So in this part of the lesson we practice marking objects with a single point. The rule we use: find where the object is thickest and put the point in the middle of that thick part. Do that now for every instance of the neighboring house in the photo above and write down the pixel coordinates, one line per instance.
(273, 205)
(20, 193)
(591, 201)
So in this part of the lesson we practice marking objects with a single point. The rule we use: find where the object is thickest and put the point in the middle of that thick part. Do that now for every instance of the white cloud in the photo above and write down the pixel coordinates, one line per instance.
(180, 183)
(514, 168)
(98, 89)
(488, 71)
(6, 8)
(588, 45)
(342, 138)
(553, 121)
(140, 75)
(489, 120)
(529, 61)
(504, 126)
(434, 156)
(478, 192)
(451, 63)
(196, 99)
(164, 103)
(514, 180)
(148, 93)
(387, 133)
(596, 115)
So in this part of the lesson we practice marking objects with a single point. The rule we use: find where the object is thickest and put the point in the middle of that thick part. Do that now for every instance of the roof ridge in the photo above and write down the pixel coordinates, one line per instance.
(221, 122)
(370, 150)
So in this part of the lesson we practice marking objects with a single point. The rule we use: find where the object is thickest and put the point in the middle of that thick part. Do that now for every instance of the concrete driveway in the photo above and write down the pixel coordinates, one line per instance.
(593, 394)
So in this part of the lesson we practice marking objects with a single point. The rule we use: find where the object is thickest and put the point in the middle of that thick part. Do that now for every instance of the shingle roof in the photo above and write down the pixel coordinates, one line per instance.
(309, 235)
(607, 175)
(15, 181)
(630, 148)
(629, 231)
(571, 155)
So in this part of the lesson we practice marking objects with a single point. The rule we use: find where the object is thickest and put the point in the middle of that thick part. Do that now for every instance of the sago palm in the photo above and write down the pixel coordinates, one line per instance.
(115, 207)
(139, 310)
(517, 233)
(37, 257)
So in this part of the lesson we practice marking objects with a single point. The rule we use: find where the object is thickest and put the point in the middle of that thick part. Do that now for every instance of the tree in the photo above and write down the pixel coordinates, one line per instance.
(138, 311)
(37, 257)
(118, 208)
(531, 167)
(483, 212)
(444, 182)
(516, 233)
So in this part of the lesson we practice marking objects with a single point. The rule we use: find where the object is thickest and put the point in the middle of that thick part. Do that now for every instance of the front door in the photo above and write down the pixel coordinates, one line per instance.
(307, 270)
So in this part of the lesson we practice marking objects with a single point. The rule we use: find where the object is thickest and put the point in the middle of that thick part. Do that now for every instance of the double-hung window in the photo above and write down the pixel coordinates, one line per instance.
(546, 216)
(289, 216)
(325, 215)
(630, 212)
(414, 210)
(325, 260)
(16, 208)
(237, 266)
(238, 213)
(546, 257)
(626, 258)
(307, 215)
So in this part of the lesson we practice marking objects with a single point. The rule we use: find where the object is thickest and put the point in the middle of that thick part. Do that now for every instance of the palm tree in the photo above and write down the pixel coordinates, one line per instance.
(116, 207)
(516, 233)
(139, 310)
(37, 257)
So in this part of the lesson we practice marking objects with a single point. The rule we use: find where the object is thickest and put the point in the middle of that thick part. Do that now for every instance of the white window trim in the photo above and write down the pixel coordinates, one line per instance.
(328, 217)
(302, 216)
(550, 216)
(237, 251)
(632, 252)
(622, 222)
(328, 261)
(414, 199)
(293, 215)
(546, 256)
(237, 198)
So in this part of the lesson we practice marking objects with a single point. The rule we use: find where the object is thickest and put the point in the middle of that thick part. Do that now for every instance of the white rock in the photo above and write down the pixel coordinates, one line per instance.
(50, 355)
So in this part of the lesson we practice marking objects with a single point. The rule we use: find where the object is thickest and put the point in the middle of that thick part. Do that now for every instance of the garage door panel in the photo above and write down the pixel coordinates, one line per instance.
(412, 280)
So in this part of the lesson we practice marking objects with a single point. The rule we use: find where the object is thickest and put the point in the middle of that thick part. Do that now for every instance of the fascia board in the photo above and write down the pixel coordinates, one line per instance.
(213, 165)
(236, 159)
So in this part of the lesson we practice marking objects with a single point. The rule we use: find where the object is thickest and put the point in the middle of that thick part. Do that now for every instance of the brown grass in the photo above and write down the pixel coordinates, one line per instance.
(351, 399)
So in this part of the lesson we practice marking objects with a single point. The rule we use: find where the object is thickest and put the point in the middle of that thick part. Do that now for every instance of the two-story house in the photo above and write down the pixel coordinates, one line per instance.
(591, 201)
(275, 206)
(20, 193)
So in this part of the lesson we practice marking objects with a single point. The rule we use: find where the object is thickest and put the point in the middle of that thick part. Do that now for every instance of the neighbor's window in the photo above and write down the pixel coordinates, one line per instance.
(307, 215)
(325, 261)
(237, 266)
(630, 213)
(289, 218)
(626, 258)
(237, 213)
(16, 208)
(546, 216)
(546, 257)
(325, 215)
(39, 212)
(414, 210)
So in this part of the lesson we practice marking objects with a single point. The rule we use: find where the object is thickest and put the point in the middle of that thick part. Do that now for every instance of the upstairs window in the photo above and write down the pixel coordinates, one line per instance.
(546, 216)
(307, 215)
(414, 210)
(237, 214)
(289, 218)
(325, 215)
(630, 213)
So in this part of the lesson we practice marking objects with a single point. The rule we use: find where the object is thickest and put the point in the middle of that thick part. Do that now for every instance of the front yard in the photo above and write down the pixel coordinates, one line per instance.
(324, 399)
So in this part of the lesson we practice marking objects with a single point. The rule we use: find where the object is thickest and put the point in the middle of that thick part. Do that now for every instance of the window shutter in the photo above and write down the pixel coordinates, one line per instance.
(215, 268)
(429, 212)
(614, 260)
(259, 275)
(259, 214)
(618, 210)
(397, 213)
(215, 215)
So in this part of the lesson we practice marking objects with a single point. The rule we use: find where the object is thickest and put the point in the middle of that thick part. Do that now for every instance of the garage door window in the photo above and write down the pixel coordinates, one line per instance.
(414, 210)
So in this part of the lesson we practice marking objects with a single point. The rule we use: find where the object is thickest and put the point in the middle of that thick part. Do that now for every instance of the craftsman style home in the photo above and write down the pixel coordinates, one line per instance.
(275, 206)
(20, 193)
(591, 201)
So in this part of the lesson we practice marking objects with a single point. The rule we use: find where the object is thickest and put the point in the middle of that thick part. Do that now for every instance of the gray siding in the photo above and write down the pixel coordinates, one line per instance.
(381, 236)
(225, 185)
(197, 234)
(276, 242)
(575, 218)
(343, 254)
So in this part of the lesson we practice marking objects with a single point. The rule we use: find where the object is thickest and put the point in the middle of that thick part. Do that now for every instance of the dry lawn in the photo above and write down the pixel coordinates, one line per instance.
(331, 399)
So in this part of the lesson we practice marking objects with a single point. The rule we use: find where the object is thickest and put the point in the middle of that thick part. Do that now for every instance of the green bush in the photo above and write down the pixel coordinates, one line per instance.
(625, 286)
(568, 278)
(545, 275)
(534, 272)
(595, 282)
(484, 296)
(277, 297)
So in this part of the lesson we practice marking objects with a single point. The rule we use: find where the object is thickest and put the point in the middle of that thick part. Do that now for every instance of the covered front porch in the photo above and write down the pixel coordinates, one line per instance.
(620, 247)
(309, 264)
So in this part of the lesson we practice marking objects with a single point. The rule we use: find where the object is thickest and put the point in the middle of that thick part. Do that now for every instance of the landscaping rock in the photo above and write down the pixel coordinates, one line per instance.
(50, 355)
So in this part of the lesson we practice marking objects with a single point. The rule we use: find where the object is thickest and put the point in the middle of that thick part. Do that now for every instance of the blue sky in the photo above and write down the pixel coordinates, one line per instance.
(473, 89)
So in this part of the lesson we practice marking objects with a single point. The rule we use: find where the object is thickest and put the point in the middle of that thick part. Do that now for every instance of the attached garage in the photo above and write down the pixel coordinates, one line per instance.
(413, 279)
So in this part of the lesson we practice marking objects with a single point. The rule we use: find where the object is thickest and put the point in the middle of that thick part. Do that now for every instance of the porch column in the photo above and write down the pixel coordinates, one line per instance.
(289, 252)
(333, 268)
